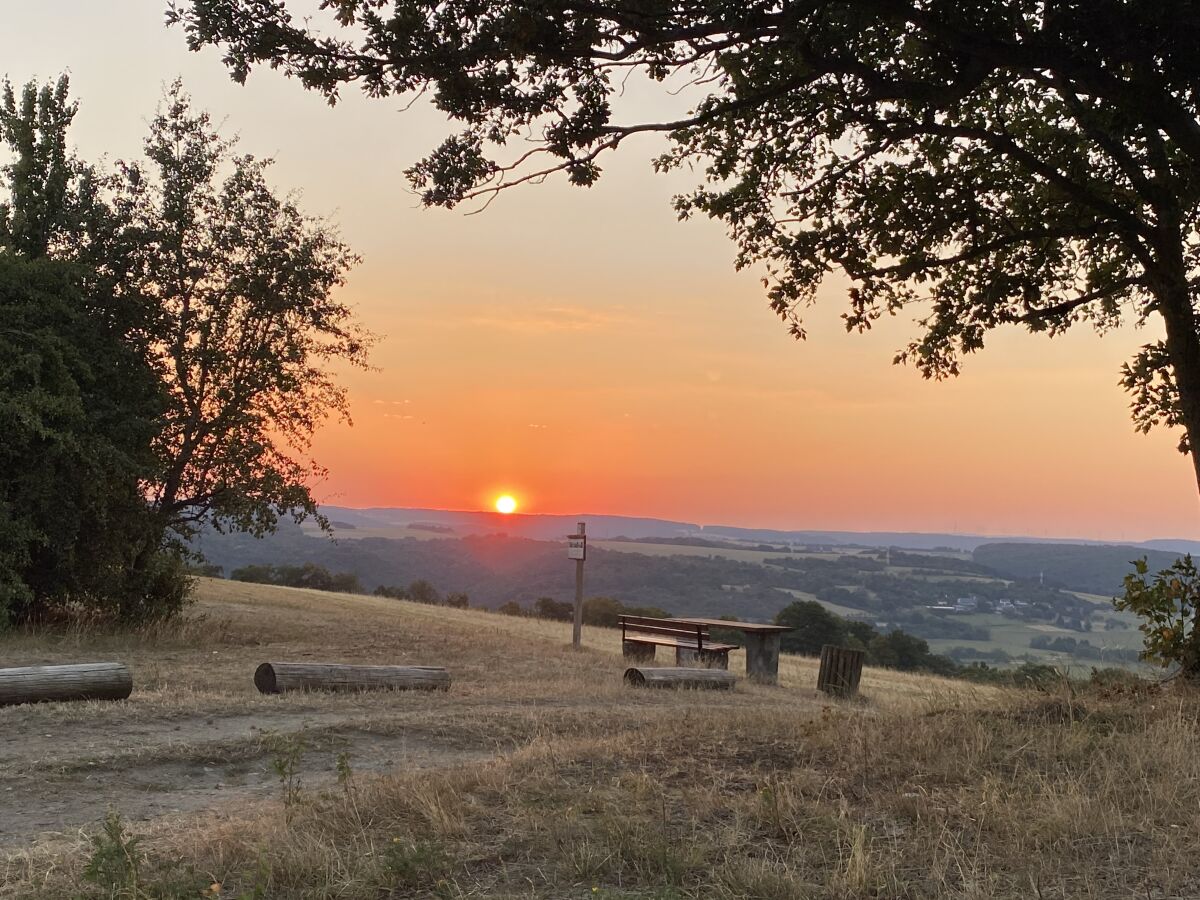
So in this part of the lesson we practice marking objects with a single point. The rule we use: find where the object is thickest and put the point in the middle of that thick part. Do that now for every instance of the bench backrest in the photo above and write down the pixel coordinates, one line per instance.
(664, 627)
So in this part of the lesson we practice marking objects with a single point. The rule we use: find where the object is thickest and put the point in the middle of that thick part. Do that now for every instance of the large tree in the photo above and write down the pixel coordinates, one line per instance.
(226, 289)
(183, 281)
(242, 289)
(979, 162)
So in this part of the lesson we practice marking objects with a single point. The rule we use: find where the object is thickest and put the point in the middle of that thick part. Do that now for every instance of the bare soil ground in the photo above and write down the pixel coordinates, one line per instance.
(540, 775)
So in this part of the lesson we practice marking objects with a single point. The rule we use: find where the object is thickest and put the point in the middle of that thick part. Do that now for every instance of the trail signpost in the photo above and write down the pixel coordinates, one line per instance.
(577, 550)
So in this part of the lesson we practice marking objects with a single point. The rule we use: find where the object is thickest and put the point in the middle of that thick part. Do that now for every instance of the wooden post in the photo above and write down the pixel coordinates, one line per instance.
(85, 681)
(841, 669)
(762, 657)
(276, 678)
(577, 628)
(717, 679)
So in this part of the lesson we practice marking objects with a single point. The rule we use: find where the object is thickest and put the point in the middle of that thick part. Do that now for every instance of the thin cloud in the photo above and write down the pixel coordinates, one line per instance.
(548, 320)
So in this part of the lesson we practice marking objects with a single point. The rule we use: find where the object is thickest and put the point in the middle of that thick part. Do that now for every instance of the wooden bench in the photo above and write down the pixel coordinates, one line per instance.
(642, 635)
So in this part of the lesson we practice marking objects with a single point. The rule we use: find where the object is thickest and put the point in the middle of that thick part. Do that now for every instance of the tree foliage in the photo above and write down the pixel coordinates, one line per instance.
(242, 286)
(983, 164)
(308, 575)
(1168, 603)
(194, 289)
(77, 418)
(815, 626)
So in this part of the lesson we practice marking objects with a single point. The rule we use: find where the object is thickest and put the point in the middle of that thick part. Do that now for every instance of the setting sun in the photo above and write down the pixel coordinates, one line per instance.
(506, 504)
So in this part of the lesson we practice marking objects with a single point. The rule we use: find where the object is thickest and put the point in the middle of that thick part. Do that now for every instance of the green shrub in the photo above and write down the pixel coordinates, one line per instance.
(1168, 604)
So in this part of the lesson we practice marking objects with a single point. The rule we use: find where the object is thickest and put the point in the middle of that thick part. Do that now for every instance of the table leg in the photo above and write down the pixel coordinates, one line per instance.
(762, 658)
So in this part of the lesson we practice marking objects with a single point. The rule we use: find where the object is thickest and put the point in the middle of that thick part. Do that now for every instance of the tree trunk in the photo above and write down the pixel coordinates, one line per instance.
(1183, 347)
(85, 681)
(275, 678)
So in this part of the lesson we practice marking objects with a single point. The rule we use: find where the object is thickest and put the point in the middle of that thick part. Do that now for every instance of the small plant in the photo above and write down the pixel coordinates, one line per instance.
(117, 859)
(262, 878)
(417, 865)
(1168, 604)
(123, 871)
(345, 775)
(289, 751)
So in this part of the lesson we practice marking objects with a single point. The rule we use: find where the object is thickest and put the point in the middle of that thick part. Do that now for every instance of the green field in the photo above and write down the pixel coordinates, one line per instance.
(753, 556)
(1013, 637)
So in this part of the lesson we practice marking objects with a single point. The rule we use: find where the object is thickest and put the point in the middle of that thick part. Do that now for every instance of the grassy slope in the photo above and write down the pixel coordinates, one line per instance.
(927, 788)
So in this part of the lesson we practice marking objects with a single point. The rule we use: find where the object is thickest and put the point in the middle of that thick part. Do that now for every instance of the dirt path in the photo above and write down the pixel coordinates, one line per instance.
(67, 778)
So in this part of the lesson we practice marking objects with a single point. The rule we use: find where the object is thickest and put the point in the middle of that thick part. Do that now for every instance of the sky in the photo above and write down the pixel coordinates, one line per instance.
(585, 352)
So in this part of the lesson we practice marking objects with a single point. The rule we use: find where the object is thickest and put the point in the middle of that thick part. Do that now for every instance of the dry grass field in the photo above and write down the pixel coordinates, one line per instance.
(539, 775)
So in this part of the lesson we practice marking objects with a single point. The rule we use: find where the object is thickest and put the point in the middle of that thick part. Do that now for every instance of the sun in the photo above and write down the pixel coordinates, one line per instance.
(506, 504)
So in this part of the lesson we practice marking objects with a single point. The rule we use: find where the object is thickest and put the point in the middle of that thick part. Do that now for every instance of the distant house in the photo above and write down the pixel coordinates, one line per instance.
(966, 604)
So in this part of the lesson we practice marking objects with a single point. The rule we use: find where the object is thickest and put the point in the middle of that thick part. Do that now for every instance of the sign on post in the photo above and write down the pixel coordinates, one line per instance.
(577, 550)
(577, 546)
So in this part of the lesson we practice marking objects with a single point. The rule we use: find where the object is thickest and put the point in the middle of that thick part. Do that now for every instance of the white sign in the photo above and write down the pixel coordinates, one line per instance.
(576, 546)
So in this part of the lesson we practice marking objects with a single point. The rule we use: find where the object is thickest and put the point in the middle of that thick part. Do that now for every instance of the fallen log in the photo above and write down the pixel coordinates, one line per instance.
(83, 681)
(277, 677)
(678, 677)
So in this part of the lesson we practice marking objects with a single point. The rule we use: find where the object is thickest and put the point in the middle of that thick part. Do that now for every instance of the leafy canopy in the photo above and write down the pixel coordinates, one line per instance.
(982, 163)
(1168, 603)
(77, 416)
(167, 330)
(224, 288)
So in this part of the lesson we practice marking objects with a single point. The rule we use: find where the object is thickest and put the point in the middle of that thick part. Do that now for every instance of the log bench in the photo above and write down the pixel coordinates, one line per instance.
(641, 636)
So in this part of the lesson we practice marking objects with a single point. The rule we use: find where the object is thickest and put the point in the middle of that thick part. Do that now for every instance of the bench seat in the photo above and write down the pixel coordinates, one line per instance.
(689, 644)
(640, 635)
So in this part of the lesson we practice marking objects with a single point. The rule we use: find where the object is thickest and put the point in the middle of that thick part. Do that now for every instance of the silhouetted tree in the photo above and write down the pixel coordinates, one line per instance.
(549, 608)
(985, 164)
(815, 626)
(421, 591)
(223, 287)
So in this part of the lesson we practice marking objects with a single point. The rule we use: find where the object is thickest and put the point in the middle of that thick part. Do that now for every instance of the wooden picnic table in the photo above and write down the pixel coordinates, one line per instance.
(762, 645)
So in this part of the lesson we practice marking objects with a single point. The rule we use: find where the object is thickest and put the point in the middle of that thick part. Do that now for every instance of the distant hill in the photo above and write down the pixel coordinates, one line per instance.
(1092, 569)
(534, 527)
(555, 527)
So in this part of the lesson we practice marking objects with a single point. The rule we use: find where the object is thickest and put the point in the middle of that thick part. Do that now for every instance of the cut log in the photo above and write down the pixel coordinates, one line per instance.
(83, 681)
(841, 669)
(276, 678)
(716, 679)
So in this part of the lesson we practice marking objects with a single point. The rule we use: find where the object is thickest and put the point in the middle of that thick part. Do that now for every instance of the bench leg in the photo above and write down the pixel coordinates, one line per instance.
(635, 651)
(701, 659)
(762, 658)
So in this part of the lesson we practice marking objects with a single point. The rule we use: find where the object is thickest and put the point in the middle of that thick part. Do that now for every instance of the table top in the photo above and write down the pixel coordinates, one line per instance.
(746, 627)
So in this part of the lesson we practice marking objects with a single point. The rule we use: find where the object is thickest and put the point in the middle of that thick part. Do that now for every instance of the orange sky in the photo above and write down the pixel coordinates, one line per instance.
(587, 353)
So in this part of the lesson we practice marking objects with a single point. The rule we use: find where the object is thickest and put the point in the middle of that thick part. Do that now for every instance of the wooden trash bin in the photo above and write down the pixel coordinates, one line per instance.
(841, 670)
